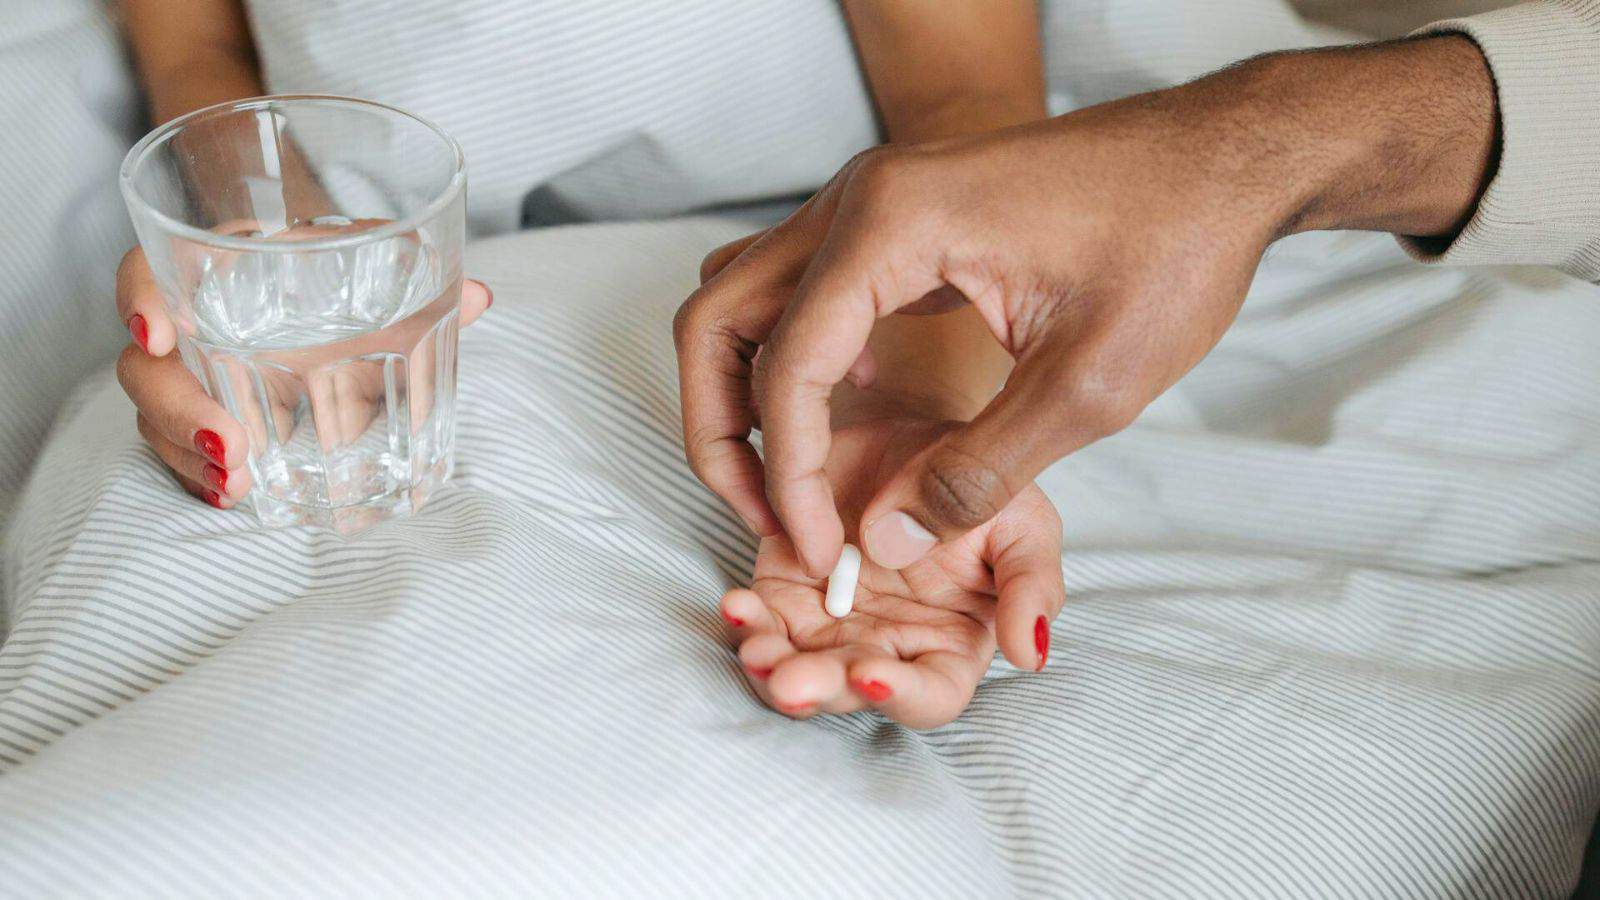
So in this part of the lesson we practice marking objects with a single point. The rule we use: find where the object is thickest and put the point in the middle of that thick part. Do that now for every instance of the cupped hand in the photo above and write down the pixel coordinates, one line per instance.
(919, 638)
(206, 448)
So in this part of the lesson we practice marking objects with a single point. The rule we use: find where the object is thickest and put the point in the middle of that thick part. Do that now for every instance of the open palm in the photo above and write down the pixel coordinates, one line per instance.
(919, 639)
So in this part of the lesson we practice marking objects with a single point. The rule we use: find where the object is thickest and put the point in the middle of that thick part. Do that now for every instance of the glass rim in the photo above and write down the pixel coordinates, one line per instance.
(141, 150)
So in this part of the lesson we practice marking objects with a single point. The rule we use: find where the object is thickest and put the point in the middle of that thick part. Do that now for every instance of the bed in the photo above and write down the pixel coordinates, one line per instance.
(1332, 627)
(1332, 632)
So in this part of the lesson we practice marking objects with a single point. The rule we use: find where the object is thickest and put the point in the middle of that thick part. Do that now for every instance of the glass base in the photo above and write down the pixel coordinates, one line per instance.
(354, 518)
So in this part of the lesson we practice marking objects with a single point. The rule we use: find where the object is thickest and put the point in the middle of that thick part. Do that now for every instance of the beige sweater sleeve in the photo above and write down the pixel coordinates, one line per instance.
(1543, 204)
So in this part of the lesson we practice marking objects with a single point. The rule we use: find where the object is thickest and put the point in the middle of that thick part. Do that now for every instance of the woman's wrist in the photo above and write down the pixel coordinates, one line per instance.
(959, 116)
(851, 405)
(198, 84)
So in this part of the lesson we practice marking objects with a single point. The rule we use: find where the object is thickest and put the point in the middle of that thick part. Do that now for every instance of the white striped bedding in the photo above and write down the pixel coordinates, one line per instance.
(1332, 632)
(1333, 628)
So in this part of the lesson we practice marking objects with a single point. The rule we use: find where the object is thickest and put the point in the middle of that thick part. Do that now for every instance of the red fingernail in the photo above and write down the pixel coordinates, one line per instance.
(213, 498)
(793, 708)
(217, 477)
(876, 691)
(140, 329)
(490, 291)
(762, 674)
(731, 619)
(209, 443)
(1041, 639)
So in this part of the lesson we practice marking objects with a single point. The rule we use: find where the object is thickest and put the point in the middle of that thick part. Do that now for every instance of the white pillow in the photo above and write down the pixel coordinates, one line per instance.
(68, 111)
(640, 109)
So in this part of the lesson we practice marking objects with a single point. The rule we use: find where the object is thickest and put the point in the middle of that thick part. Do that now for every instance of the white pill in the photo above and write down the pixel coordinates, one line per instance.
(842, 583)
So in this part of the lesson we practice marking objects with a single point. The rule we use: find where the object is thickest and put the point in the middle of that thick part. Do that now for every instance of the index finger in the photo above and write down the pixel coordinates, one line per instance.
(717, 332)
(856, 277)
(141, 307)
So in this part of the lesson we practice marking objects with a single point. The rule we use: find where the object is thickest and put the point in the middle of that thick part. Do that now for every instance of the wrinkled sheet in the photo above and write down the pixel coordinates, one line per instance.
(1333, 631)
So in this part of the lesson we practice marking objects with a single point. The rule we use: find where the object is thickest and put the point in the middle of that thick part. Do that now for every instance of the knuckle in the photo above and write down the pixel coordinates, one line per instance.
(698, 449)
(962, 491)
(710, 264)
(681, 323)
(693, 320)
(1101, 406)
(718, 259)
(878, 174)
(697, 318)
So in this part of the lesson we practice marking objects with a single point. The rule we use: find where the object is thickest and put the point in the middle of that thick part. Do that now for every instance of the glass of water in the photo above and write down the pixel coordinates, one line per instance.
(309, 251)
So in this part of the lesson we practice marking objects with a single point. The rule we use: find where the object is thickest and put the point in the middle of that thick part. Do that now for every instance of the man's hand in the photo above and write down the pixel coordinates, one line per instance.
(918, 640)
(1107, 251)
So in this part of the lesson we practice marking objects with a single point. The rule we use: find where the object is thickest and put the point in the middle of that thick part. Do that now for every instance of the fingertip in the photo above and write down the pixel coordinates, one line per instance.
(476, 298)
(764, 650)
(1027, 604)
(223, 444)
(139, 329)
(213, 499)
(1018, 643)
(872, 690)
(895, 540)
(806, 680)
(863, 373)
(153, 333)
(1041, 642)
(742, 608)
(818, 545)
(819, 560)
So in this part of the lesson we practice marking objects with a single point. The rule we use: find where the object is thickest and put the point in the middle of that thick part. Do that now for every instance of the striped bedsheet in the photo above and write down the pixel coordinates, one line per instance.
(1333, 631)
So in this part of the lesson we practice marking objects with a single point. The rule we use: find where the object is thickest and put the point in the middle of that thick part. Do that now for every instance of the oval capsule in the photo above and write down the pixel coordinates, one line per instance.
(841, 594)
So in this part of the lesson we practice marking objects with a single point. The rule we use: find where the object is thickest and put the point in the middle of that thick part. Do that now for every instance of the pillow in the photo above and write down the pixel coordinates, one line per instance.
(638, 109)
(69, 112)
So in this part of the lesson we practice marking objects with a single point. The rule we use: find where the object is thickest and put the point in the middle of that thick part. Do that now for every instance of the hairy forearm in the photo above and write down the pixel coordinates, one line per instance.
(1398, 137)
(1423, 150)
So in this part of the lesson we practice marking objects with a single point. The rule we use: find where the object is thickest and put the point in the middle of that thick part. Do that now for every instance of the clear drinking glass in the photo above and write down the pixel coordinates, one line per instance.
(309, 250)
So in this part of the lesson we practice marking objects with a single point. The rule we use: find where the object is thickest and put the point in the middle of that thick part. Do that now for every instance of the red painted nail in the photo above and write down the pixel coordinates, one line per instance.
(1041, 639)
(731, 619)
(209, 443)
(490, 291)
(795, 708)
(762, 674)
(876, 691)
(217, 477)
(140, 329)
(213, 498)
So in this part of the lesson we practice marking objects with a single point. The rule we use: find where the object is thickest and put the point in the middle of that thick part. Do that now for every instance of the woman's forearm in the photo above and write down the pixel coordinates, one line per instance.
(932, 66)
(196, 53)
(191, 53)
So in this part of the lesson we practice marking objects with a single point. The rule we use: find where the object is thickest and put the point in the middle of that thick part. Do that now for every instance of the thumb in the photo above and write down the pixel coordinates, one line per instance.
(954, 485)
(969, 474)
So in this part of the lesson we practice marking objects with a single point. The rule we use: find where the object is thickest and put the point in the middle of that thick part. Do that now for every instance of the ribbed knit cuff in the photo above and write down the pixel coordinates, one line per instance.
(1543, 204)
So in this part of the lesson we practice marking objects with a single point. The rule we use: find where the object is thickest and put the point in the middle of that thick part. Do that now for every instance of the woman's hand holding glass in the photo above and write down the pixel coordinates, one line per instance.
(206, 448)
